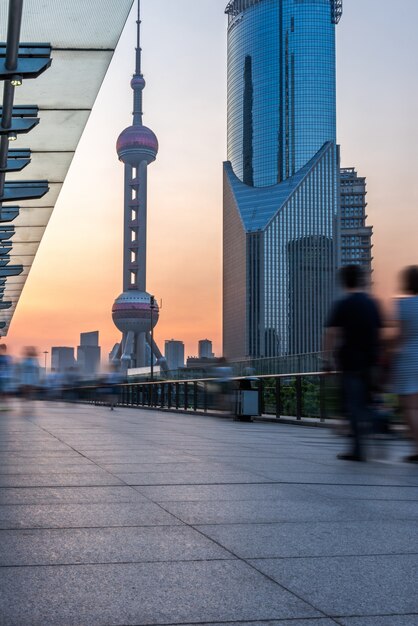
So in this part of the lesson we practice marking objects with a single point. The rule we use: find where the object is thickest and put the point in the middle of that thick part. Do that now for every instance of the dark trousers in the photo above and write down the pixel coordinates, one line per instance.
(356, 391)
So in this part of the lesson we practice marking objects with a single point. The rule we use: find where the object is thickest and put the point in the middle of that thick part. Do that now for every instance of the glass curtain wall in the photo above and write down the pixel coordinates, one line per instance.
(281, 86)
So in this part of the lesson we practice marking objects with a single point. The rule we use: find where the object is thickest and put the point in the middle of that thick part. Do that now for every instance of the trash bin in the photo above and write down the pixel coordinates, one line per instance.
(248, 399)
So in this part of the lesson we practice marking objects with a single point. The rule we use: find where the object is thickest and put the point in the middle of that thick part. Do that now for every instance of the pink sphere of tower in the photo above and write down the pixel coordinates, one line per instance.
(136, 144)
(138, 82)
(132, 311)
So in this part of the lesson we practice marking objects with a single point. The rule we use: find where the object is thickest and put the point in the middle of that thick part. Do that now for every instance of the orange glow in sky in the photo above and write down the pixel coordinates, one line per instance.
(78, 270)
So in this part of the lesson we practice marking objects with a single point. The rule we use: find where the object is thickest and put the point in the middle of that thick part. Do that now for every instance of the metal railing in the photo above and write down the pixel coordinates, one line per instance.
(262, 366)
(307, 395)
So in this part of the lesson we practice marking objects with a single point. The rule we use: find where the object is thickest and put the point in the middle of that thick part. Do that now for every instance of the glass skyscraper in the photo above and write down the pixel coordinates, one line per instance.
(281, 181)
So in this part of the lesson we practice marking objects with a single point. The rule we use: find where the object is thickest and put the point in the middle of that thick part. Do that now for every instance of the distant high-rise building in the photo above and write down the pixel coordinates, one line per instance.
(174, 354)
(281, 181)
(88, 353)
(205, 349)
(62, 358)
(356, 237)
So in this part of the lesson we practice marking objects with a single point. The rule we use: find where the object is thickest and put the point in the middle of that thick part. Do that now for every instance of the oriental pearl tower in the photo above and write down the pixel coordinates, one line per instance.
(135, 311)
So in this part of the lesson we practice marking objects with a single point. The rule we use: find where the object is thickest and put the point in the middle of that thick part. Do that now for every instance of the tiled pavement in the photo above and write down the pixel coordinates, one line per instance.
(135, 517)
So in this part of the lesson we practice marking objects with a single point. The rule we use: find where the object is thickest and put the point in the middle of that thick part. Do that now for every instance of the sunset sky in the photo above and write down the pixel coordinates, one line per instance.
(78, 270)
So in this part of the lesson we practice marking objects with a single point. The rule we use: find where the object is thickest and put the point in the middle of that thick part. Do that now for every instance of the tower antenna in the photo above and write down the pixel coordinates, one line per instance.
(138, 82)
(138, 42)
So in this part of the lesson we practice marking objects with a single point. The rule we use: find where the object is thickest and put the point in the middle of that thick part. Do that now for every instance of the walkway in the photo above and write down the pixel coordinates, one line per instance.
(137, 517)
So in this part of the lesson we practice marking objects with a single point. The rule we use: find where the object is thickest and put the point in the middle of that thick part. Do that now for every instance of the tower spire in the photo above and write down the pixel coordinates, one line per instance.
(138, 42)
(138, 82)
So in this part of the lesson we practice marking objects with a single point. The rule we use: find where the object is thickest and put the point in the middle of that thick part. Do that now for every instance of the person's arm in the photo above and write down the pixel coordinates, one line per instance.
(331, 339)
(393, 331)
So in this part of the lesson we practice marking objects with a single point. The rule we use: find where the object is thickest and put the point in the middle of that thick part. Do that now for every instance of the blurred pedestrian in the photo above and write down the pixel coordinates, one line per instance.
(54, 385)
(352, 339)
(114, 379)
(29, 373)
(6, 376)
(405, 362)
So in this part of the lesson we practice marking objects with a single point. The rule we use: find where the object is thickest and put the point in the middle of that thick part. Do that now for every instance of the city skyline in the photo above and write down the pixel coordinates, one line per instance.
(187, 106)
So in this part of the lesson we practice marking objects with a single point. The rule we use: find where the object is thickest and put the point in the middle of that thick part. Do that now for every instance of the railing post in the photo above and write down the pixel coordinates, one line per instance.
(262, 403)
(322, 399)
(278, 398)
(186, 396)
(177, 396)
(298, 397)
(162, 391)
(169, 396)
(205, 396)
(195, 396)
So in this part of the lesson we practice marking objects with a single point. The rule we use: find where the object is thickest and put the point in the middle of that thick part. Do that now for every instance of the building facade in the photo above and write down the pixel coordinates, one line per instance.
(356, 236)
(88, 353)
(62, 359)
(174, 354)
(281, 180)
(205, 349)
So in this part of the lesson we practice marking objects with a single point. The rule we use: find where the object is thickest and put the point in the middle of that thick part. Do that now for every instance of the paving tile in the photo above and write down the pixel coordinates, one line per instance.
(310, 539)
(66, 479)
(27, 454)
(121, 458)
(356, 586)
(278, 465)
(84, 515)
(40, 447)
(151, 467)
(48, 464)
(388, 620)
(412, 480)
(190, 478)
(303, 622)
(364, 492)
(379, 509)
(151, 593)
(69, 495)
(87, 469)
(333, 478)
(231, 493)
(256, 512)
(107, 545)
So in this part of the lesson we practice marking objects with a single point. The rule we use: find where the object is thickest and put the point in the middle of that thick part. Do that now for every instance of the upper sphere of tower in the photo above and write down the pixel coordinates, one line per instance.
(138, 82)
(136, 144)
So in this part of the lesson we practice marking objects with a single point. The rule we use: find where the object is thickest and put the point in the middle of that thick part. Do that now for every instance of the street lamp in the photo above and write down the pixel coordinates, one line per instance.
(152, 307)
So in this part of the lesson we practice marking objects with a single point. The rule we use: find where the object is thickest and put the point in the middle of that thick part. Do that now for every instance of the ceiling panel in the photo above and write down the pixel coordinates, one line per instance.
(83, 35)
